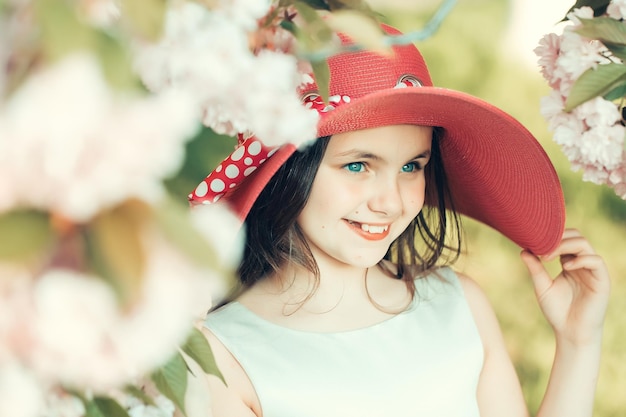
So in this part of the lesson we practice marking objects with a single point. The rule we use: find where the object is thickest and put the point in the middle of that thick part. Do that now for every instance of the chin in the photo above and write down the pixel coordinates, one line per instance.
(366, 261)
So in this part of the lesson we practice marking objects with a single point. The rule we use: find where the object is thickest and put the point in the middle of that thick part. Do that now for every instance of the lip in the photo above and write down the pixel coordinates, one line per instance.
(356, 227)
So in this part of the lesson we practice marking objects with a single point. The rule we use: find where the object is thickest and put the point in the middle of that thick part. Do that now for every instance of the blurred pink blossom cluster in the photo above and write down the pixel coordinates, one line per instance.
(64, 328)
(592, 134)
(211, 54)
(72, 145)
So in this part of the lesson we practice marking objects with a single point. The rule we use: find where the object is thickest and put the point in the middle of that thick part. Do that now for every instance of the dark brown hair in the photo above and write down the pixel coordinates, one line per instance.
(273, 237)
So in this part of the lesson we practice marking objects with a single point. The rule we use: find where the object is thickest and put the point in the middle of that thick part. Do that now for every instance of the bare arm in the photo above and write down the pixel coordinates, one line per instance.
(235, 398)
(499, 392)
(574, 304)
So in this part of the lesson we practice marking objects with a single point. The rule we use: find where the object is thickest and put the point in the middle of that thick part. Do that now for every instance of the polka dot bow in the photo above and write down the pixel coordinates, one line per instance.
(250, 152)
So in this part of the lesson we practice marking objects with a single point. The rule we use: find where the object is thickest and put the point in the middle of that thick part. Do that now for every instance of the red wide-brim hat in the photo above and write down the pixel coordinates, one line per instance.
(497, 171)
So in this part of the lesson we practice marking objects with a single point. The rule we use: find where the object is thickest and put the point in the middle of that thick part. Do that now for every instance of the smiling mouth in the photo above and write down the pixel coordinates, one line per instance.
(370, 227)
(370, 231)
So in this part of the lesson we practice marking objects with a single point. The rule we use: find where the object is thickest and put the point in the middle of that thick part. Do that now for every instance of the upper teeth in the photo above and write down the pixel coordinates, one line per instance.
(372, 229)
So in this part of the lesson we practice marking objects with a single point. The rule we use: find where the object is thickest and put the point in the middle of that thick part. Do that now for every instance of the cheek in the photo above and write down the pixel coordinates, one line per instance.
(414, 197)
(414, 206)
(337, 194)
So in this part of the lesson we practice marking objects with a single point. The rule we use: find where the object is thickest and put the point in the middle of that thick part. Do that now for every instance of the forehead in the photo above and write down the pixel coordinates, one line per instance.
(404, 139)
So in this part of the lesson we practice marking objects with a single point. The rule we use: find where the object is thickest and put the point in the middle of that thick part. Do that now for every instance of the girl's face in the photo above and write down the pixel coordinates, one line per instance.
(369, 186)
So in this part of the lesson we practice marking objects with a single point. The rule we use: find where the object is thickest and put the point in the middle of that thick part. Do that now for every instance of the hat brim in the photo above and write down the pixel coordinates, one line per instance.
(497, 172)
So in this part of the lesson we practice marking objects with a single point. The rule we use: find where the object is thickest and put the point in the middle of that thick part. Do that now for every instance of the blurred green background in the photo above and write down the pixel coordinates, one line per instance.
(467, 53)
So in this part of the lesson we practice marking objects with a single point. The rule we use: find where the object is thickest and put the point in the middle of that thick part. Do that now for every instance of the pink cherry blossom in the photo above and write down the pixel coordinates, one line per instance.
(592, 135)
(616, 9)
(162, 407)
(20, 392)
(244, 13)
(62, 404)
(551, 108)
(578, 54)
(101, 13)
(548, 51)
(92, 149)
(229, 82)
(217, 223)
(617, 179)
(585, 12)
(75, 332)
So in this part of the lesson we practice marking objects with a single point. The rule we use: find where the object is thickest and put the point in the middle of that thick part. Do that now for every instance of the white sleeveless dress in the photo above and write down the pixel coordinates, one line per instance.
(424, 362)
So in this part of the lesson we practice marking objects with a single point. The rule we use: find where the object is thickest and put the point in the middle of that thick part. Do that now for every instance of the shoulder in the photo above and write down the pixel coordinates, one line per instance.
(235, 395)
(482, 311)
(499, 387)
(447, 277)
(475, 295)
(446, 284)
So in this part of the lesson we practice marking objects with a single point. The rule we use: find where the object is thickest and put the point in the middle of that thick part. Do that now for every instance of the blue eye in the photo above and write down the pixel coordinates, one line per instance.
(411, 167)
(355, 167)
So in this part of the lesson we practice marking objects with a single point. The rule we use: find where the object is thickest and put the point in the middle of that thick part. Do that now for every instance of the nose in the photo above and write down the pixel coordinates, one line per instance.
(386, 197)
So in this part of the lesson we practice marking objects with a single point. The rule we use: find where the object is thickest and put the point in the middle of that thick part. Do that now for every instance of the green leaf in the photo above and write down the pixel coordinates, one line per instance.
(321, 71)
(171, 380)
(618, 51)
(116, 62)
(146, 17)
(288, 26)
(313, 32)
(317, 4)
(202, 153)
(355, 5)
(598, 6)
(24, 234)
(24, 59)
(115, 247)
(104, 407)
(617, 93)
(61, 30)
(363, 29)
(175, 222)
(305, 11)
(604, 29)
(595, 82)
(198, 349)
(139, 394)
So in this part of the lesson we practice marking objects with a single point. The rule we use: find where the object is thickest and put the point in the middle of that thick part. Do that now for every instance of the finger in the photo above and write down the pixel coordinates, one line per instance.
(540, 277)
(573, 245)
(590, 262)
(567, 233)
(597, 276)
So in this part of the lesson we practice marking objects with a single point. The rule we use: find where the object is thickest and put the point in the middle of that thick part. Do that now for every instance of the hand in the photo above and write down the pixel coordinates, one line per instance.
(575, 302)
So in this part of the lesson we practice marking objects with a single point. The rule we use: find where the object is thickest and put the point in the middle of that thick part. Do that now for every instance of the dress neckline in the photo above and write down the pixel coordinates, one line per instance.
(271, 325)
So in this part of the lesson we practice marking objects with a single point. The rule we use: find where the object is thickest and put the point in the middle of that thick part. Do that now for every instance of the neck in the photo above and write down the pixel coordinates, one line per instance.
(343, 297)
(335, 284)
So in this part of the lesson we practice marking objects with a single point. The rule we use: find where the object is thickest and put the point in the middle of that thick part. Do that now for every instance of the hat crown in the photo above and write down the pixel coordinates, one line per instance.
(363, 72)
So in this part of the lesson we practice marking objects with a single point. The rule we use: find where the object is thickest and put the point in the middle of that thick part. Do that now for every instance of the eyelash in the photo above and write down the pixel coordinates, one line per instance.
(361, 167)
(351, 165)
(416, 166)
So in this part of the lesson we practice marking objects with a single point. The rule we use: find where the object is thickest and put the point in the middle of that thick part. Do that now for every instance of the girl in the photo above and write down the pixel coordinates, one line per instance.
(346, 307)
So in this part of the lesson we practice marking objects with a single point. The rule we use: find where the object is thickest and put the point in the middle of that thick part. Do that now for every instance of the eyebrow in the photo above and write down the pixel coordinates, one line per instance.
(358, 154)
